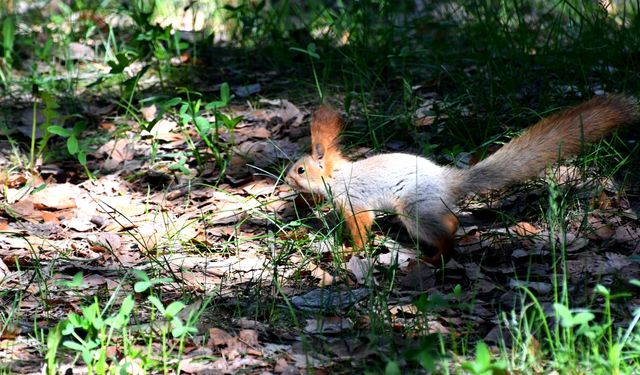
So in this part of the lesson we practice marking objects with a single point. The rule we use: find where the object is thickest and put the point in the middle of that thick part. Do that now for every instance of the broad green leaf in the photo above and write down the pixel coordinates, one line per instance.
(120, 64)
(483, 355)
(214, 105)
(225, 94)
(79, 127)
(457, 290)
(426, 360)
(203, 125)
(127, 305)
(141, 286)
(141, 275)
(156, 302)
(180, 329)
(392, 368)
(87, 357)
(583, 318)
(172, 102)
(54, 337)
(173, 309)
(59, 130)
(566, 318)
(73, 345)
(72, 144)
(602, 290)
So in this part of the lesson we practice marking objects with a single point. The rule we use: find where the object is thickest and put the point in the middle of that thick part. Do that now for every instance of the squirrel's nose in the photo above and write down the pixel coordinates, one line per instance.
(288, 181)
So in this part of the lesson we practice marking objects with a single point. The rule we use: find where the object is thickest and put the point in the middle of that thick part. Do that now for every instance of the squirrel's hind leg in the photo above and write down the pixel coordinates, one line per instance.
(435, 231)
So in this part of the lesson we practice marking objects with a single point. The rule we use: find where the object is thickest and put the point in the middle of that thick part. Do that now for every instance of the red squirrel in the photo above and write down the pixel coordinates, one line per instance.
(422, 193)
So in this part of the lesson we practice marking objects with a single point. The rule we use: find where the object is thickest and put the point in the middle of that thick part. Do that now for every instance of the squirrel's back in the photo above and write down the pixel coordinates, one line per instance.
(382, 181)
(554, 138)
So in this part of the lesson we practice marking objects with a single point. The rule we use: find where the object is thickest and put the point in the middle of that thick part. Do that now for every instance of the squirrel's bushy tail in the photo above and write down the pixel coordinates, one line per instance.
(554, 138)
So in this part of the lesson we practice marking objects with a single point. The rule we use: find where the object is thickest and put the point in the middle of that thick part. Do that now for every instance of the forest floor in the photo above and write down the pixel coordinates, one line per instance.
(182, 250)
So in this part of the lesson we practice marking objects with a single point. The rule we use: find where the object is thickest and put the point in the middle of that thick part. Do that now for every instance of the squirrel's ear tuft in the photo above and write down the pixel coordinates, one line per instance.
(325, 129)
(325, 135)
(318, 152)
(318, 155)
(328, 118)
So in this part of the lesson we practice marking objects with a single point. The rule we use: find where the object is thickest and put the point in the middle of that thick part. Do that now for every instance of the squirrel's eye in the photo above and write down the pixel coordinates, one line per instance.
(300, 170)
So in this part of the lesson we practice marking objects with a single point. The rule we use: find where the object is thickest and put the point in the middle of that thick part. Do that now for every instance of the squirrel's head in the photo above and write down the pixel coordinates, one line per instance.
(314, 173)
(308, 176)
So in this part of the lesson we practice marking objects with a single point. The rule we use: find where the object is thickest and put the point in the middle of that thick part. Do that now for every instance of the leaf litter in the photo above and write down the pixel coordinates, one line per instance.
(214, 240)
(234, 241)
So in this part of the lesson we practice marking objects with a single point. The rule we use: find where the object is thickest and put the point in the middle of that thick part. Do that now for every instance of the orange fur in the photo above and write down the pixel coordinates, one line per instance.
(444, 245)
(325, 136)
(359, 226)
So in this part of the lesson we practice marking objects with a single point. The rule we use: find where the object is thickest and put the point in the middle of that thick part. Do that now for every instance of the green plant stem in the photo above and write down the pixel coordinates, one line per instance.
(88, 172)
(316, 80)
(545, 323)
(32, 154)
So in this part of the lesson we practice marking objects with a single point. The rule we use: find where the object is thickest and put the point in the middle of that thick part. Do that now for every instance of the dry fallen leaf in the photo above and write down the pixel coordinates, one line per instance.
(360, 268)
(259, 132)
(78, 51)
(4, 270)
(330, 324)
(149, 113)
(117, 150)
(164, 130)
(218, 337)
(49, 217)
(56, 197)
(249, 337)
(106, 241)
(524, 229)
(425, 121)
(282, 366)
(79, 224)
(198, 366)
(260, 187)
(286, 111)
(324, 277)
(419, 276)
(122, 206)
(14, 180)
(602, 201)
